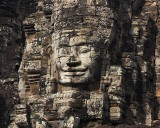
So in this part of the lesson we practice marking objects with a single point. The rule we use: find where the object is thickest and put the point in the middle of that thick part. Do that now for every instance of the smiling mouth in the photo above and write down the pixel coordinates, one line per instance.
(74, 73)
(74, 69)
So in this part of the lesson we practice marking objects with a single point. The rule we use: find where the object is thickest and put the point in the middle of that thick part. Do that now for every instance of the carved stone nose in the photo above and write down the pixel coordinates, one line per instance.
(73, 61)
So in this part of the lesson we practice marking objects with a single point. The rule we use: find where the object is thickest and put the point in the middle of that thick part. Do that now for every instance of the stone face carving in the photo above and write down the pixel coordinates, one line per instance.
(78, 44)
(78, 47)
(77, 61)
(86, 63)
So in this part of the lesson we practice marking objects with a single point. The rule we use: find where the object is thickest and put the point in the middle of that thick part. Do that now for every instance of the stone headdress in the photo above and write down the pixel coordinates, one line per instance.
(81, 17)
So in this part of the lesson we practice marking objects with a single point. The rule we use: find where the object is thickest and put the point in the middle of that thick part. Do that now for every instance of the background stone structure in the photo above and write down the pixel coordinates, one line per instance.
(128, 94)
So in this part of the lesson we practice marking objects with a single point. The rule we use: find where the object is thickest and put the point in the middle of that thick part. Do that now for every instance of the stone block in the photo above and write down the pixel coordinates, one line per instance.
(34, 89)
(57, 123)
(51, 115)
(95, 108)
(157, 91)
(157, 51)
(21, 120)
(115, 110)
(157, 61)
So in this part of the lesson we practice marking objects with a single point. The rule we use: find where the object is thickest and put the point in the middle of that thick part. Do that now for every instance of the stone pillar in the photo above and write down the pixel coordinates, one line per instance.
(116, 92)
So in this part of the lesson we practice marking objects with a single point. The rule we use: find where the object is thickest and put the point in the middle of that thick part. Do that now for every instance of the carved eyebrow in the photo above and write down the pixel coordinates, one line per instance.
(83, 43)
(63, 45)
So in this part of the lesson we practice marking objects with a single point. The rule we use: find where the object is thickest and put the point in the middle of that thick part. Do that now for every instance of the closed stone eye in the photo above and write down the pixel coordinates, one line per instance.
(84, 50)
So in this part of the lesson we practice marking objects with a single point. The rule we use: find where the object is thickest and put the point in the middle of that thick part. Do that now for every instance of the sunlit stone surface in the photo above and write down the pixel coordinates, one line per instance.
(79, 63)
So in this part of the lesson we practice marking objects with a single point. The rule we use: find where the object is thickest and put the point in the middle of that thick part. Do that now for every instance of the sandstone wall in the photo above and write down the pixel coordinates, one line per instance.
(130, 70)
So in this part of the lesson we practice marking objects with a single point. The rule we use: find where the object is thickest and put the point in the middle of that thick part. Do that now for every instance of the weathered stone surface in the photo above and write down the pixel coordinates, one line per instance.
(79, 63)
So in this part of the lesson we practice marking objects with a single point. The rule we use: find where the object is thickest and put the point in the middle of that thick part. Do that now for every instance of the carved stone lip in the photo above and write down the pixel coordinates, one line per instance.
(74, 69)
(74, 73)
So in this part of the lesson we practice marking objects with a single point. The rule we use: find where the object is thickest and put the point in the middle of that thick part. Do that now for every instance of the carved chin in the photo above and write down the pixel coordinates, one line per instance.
(74, 81)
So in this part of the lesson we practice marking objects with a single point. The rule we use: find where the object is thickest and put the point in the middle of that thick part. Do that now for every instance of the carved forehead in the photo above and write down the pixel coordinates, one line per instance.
(78, 40)
(77, 37)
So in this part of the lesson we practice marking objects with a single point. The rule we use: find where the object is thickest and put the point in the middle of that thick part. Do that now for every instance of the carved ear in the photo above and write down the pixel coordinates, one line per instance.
(49, 50)
(107, 44)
